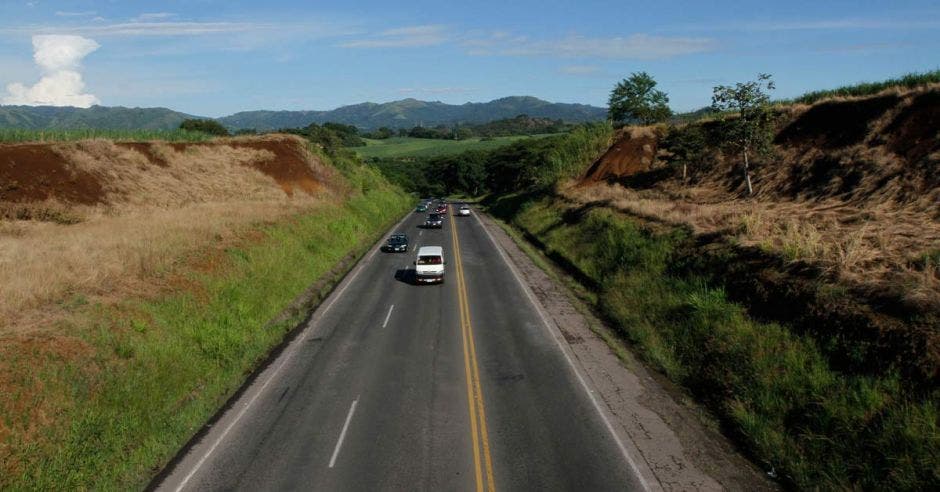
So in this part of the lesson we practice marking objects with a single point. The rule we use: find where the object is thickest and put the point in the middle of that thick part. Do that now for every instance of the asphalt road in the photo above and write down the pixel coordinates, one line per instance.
(395, 386)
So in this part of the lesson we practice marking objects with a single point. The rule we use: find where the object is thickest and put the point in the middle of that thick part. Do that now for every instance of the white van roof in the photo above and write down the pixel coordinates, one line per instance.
(430, 251)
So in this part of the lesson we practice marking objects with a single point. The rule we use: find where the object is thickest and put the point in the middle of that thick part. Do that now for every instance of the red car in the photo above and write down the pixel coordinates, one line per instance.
(442, 209)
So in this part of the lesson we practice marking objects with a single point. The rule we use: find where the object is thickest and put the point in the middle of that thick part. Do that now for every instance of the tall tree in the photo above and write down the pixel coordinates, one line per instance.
(636, 98)
(747, 117)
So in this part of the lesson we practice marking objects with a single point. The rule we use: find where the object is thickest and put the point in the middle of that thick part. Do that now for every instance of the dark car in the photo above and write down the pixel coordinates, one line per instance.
(434, 221)
(397, 243)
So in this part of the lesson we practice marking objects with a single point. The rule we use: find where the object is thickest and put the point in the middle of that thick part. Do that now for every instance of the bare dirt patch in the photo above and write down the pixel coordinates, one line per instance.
(35, 172)
(633, 152)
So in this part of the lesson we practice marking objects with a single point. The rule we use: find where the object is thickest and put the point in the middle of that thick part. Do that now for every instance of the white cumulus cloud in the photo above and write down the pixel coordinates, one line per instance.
(59, 57)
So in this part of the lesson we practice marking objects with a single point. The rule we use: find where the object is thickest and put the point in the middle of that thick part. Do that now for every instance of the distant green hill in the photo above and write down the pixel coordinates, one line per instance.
(98, 117)
(408, 113)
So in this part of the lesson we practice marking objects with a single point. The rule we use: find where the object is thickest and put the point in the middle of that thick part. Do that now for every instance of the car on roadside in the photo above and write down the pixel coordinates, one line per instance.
(396, 243)
(429, 265)
(434, 221)
(463, 211)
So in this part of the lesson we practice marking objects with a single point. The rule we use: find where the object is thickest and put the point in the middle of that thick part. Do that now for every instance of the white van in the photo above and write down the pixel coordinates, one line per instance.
(429, 264)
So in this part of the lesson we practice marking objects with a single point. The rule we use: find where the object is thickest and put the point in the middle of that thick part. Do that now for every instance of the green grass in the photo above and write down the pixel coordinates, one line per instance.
(909, 81)
(772, 388)
(429, 147)
(163, 366)
(19, 135)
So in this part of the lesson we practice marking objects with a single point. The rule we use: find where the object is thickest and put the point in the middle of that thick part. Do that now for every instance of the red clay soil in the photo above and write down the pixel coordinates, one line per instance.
(289, 168)
(634, 152)
(34, 172)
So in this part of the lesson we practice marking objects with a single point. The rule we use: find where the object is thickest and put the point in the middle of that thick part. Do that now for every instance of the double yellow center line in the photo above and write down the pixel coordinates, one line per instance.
(481, 440)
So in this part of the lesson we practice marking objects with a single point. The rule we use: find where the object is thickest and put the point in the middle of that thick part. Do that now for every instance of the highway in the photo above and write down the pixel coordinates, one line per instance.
(395, 386)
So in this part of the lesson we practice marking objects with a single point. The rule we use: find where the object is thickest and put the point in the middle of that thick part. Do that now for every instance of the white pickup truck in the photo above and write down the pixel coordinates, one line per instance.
(429, 265)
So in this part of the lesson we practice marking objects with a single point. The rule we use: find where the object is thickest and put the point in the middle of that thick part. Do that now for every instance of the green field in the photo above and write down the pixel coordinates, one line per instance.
(429, 147)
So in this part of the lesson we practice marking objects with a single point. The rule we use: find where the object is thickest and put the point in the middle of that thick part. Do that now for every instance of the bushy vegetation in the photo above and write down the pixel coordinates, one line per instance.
(331, 137)
(527, 163)
(20, 135)
(210, 127)
(814, 426)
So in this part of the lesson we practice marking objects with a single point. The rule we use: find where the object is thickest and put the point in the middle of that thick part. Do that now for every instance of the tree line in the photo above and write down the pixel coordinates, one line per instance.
(519, 125)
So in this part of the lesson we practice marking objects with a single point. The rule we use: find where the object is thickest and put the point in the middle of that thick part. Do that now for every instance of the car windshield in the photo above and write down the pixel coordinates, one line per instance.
(430, 260)
(397, 240)
(434, 217)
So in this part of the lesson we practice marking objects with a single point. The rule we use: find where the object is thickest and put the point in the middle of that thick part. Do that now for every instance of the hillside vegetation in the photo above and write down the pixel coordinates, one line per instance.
(142, 280)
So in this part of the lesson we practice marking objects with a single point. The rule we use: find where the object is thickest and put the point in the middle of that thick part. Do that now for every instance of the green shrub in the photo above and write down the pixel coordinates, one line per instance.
(210, 127)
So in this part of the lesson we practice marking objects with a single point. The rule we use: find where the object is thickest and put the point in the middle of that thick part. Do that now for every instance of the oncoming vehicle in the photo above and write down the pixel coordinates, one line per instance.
(429, 265)
(397, 243)
(463, 211)
(434, 221)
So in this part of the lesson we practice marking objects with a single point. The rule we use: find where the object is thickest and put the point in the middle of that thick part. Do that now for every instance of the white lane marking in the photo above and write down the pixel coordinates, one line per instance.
(292, 348)
(420, 232)
(387, 316)
(342, 435)
(557, 337)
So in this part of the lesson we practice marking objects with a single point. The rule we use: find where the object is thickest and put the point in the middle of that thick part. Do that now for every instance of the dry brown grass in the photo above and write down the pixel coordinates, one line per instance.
(41, 263)
(157, 211)
(872, 245)
(195, 174)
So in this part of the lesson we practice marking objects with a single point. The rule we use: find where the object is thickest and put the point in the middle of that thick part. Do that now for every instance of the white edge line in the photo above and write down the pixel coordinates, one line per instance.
(342, 434)
(292, 349)
(545, 322)
(387, 316)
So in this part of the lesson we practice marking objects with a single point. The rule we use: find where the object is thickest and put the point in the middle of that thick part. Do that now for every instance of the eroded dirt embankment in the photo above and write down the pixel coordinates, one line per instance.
(103, 172)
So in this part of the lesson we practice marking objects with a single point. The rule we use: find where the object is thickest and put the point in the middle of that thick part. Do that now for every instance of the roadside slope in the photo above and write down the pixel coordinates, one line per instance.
(150, 277)
(806, 317)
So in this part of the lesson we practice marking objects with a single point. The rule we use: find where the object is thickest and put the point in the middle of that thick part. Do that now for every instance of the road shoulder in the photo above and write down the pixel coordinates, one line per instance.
(678, 442)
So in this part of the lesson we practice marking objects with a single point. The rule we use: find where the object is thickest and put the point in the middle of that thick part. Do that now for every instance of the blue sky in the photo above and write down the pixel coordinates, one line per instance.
(213, 58)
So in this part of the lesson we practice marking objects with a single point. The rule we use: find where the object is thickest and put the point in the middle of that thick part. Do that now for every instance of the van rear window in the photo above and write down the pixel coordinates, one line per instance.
(430, 260)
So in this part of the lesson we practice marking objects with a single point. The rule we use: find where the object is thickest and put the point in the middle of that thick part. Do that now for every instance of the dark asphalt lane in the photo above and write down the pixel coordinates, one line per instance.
(374, 395)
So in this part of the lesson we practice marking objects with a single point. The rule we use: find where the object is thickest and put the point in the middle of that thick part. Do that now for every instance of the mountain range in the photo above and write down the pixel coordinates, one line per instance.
(405, 113)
